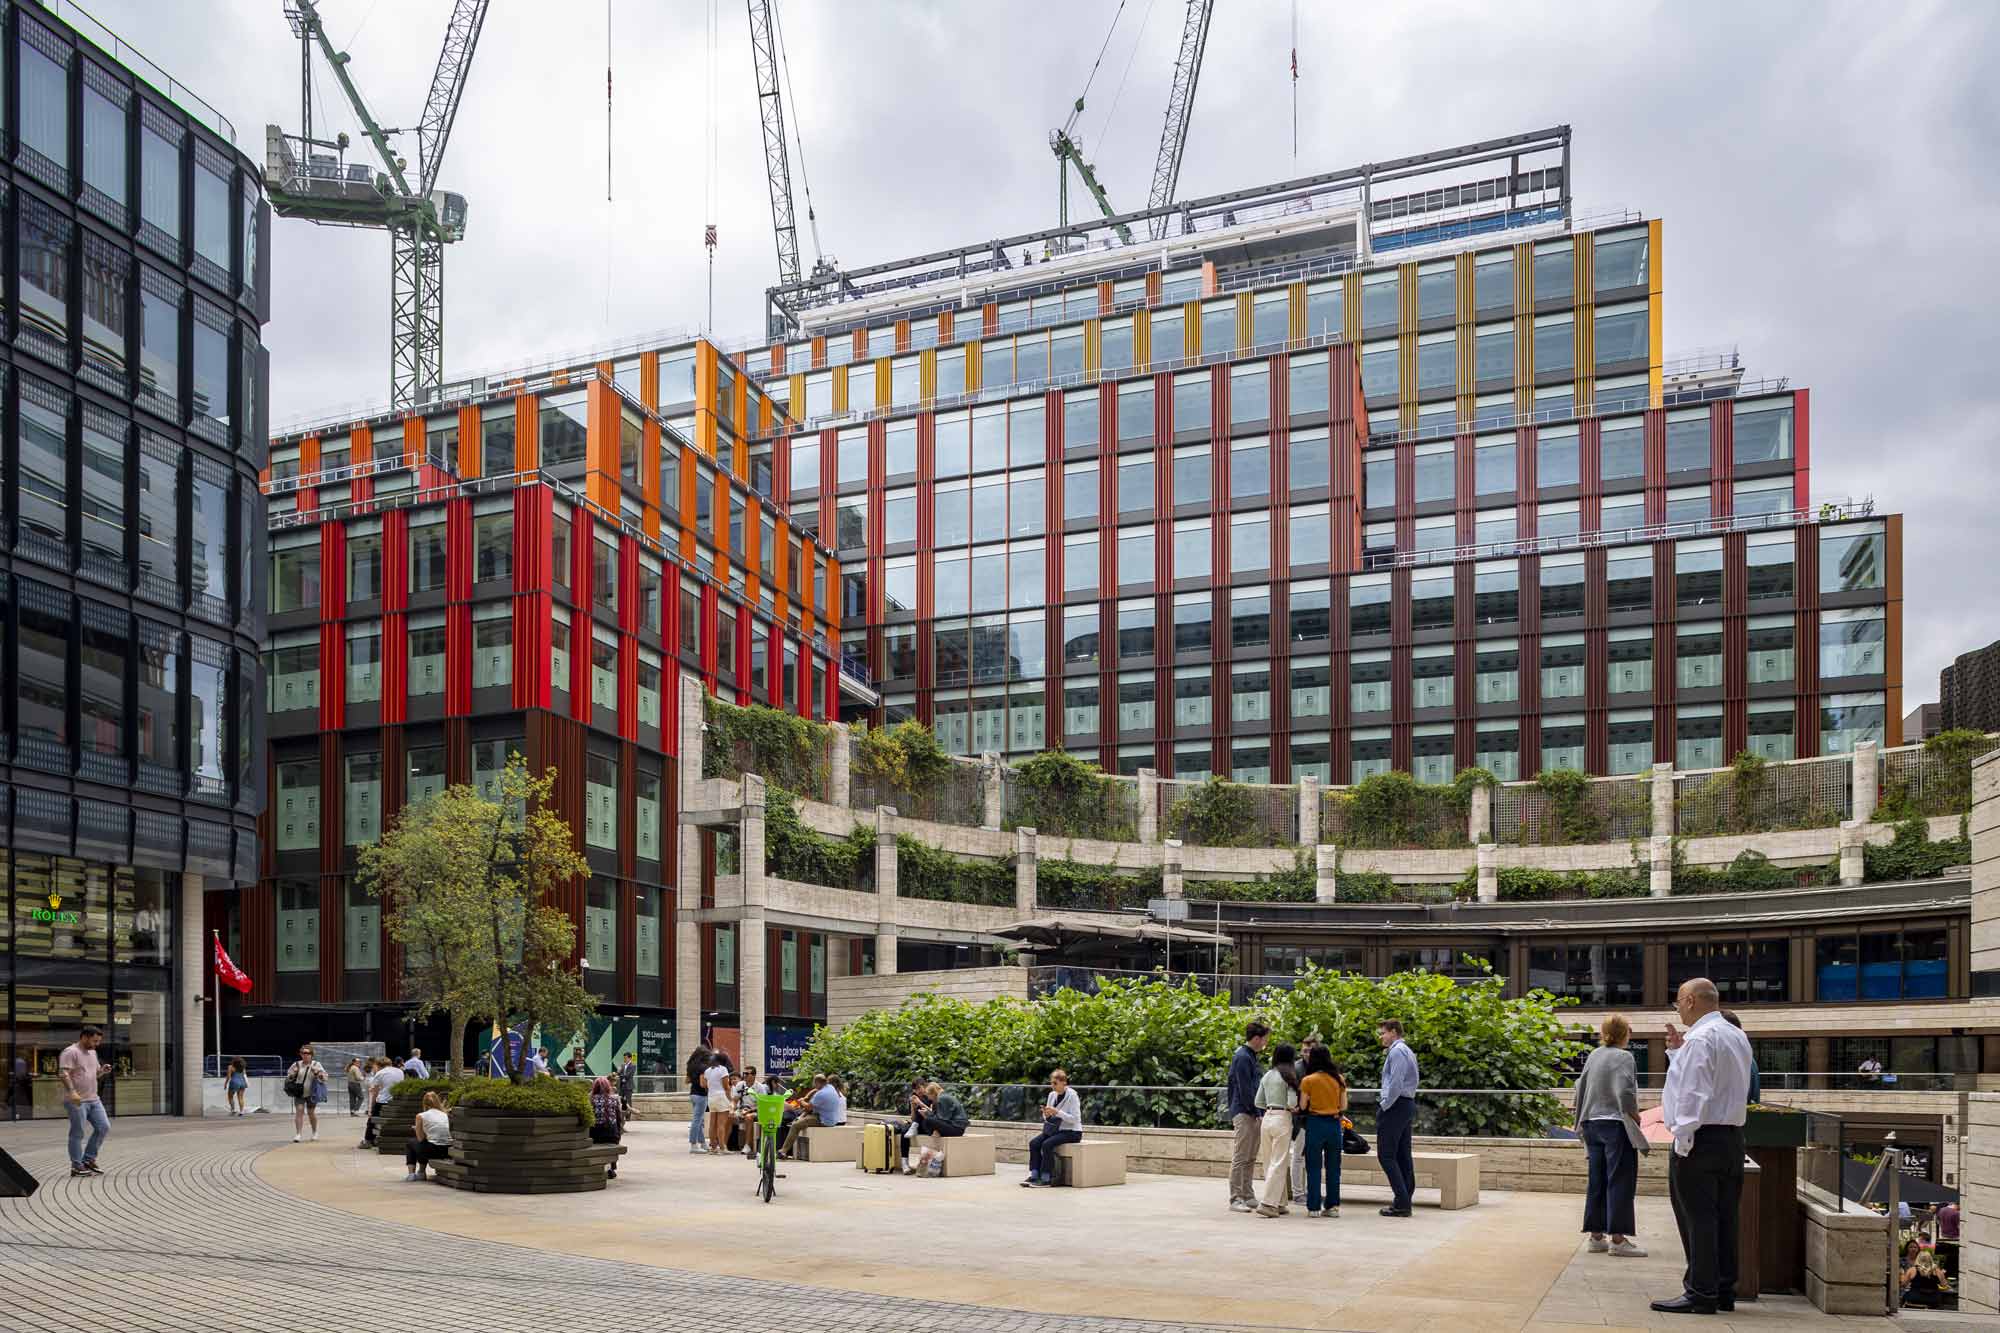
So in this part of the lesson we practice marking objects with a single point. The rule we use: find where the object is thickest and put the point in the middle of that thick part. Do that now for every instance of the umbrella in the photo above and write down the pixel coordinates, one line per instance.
(1913, 1190)
(1056, 931)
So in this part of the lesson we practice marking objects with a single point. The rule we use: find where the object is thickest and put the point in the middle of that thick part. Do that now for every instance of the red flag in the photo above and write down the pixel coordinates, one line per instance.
(227, 972)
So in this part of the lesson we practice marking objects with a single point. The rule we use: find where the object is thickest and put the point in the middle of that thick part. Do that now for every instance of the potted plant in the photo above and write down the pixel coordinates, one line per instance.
(1774, 1127)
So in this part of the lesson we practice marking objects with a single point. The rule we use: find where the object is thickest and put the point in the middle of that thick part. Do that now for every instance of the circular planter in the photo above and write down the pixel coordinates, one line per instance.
(498, 1151)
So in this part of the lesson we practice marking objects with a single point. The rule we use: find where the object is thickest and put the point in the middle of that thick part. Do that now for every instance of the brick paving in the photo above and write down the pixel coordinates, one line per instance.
(182, 1235)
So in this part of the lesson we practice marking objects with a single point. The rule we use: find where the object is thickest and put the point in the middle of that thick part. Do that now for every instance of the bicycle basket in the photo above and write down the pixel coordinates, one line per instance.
(770, 1111)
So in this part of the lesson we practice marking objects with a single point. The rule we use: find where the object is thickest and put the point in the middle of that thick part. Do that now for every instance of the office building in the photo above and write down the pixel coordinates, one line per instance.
(131, 593)
(1969, 690)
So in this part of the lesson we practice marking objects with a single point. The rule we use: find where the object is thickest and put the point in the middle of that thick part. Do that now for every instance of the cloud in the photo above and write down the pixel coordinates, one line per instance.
(1823, 170)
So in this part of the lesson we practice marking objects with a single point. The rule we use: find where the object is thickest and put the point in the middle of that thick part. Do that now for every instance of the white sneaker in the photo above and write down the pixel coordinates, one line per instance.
(1625, 1249)
(1329, 1212)
(315, 1136)
(295, 1138)
(1239, 1206)
(1312, 1212)
(1598, 1245)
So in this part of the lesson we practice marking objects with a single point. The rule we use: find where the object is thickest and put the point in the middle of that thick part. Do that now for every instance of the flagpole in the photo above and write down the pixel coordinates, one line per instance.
(215, 974)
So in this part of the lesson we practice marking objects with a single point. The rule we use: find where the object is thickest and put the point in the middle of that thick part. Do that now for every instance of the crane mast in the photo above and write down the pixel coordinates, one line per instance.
(421, 221)
(777, 163)
(1180, 107)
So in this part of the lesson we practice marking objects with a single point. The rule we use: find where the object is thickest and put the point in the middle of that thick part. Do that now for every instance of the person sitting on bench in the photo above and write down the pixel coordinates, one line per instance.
(430, 1137)
(944, 1118)
(1062, 1122)
(827, 1107)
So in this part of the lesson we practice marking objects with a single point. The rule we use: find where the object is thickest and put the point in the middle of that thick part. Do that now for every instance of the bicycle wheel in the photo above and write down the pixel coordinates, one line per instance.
(768, 1186)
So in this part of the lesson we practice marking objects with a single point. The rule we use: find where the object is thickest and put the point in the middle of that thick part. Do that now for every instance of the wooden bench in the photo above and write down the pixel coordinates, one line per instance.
(1090, 1162)
(1454, 1175)
(830, 1143)
(968, 1155)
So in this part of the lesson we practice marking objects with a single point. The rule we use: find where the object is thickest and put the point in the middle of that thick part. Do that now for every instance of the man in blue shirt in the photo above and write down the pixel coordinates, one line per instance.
(414, 1067)
(1395, 1115)
(1244, 1117)
(826, 1106)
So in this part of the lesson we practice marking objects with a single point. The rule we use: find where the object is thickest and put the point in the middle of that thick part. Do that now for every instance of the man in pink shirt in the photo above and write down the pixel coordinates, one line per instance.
(78, 1067)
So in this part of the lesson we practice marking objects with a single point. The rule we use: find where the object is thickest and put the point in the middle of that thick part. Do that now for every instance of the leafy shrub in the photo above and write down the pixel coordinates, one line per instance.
(1750, 872)
(1530, 884)
(784, 749)
(924, 871)
(413, 1089)
(1132, 1035)
(1060, 794)
(793, 851)
(1948, 790)
(1390, 810)
(905, 756)
(1069, 884)
(1219, 813)
(1912, 854)
(1571, 817)
(541, 1096)
(1298, 884)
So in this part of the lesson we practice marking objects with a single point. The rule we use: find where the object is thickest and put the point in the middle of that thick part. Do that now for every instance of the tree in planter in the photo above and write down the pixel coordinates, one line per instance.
(466, 882)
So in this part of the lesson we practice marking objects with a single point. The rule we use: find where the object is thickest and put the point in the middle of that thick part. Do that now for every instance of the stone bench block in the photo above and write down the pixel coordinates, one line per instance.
(1090, 1163)
(830, 1143)
(969, 1155)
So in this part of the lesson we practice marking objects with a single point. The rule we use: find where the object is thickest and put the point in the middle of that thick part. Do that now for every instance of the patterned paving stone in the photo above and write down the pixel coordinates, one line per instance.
(182, 1235)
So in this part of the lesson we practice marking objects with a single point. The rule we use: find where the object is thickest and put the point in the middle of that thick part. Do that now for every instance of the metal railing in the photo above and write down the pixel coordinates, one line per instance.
(1833, 511)
(135, 60)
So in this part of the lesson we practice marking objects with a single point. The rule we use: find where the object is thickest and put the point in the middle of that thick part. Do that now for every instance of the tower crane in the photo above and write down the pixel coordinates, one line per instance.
(308, 177)
(1180, 106)
(1173, 139)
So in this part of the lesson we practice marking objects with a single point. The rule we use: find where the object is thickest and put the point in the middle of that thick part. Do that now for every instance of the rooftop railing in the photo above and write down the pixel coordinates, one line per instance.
(135, 60)
(1833, 511)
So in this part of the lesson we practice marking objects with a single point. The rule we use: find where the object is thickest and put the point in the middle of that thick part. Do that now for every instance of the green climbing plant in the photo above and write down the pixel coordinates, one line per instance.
(1058, 793)
(795, 852)
(1220, 813)
(784, 749)
(1068, 884)
(924, 871)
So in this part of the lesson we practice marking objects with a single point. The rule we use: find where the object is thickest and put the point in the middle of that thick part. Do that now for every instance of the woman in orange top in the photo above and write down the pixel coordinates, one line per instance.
(1323, 1095)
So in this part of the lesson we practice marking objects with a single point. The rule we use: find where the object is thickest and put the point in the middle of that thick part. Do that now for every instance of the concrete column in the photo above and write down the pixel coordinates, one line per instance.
(1489, 873)
(687, 979)
(1149, 805)
(1979, 1213)
(992, 790)
(885, 864)
(1172, 885)
(840, 769)
(1867, 779)
(1479, 817)
(1985, 827)
(1309, 808)
(1326, 880)
(1852, 867)
(693, 732)
(750, 842)
(1024, 872)
(194, 1003)
(885, 951)
(751, 956)
(1663, 799)
(1661, 879)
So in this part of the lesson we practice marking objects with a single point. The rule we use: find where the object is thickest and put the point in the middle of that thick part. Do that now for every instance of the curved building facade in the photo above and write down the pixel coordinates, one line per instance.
(131, 603)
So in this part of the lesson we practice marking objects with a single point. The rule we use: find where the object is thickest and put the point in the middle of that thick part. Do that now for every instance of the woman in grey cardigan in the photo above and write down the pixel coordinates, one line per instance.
(1607, 1119)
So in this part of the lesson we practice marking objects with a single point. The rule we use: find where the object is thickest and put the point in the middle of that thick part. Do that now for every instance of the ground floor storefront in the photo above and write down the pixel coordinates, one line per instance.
(92, 943)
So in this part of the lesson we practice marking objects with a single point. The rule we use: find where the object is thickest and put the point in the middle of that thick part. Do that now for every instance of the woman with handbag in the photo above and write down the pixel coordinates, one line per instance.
(305, 1084)
(1323, 1095)
(1607, 1120)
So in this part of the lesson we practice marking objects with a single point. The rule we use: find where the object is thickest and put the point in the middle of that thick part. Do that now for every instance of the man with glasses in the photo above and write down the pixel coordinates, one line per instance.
(1704, 1105)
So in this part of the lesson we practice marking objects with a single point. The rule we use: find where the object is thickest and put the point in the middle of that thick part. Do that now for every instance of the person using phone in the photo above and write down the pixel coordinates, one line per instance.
(1062, 1122)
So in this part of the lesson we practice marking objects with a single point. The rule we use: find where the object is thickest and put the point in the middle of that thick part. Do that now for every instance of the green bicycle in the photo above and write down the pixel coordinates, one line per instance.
(770, 1119)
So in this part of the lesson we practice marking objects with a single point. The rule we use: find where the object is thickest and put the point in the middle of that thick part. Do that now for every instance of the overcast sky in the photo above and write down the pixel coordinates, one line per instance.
(1825, 172)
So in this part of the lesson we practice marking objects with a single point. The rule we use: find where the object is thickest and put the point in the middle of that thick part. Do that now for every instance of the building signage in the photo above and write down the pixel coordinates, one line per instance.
(784, 1043)
(55, 914)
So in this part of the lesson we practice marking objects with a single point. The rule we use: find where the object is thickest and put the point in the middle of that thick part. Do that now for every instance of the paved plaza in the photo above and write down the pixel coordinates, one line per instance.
(227, 1225)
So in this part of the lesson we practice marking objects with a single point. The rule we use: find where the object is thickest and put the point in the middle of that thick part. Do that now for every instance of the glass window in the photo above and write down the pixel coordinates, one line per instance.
(1135, 485)
(492, 645)
(427, 649)
(1310, 610)
(1495, 526)
(1249, 469)
(1249, 394)
(1493, 465)
(211, 213)
(1080, 563)
(1558, 457)
(1194, 693)
(1622, 449)
(427, 556)
(1770, 651)
(1368, 754)
(1381, 372)
(1851, 557)
(1381, 299)
(1437, 361)
(1249, 541)
(208, 711)
(1250, 617)
(1562, 586)
(1218, 327)
(1193, 474)
(46, 255)
(1698, 572)
(1194, 624)
(1619, 261)
(1192, 549)
(600, 818)
(1493, 352)
(1432, 602)
(1368, 604)
(1080, 709)
(1698, 655)
(1135, 555)
(1080, 419)
(1769, 564)
(1307, 386)
(364, 661)
(564, 427)
(1765, 496)
(1621, 333)
(1555, 344)
(1629, 578)
(1554, 273)
(1852, 642)
(1431, 678)
(1846, 720)
(1310, 536)
(1436, 472)
(295, 576)
(1687, 440)
(1378, 478)
(1698, 737)
(1496, 592)
(1135, 411)
(1629, 661)
(1324, 309)
(1080, 635)
(1497, 671)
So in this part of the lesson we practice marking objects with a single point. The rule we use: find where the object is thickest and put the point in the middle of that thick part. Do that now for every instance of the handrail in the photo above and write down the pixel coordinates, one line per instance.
(135, 60)
(1833, 511)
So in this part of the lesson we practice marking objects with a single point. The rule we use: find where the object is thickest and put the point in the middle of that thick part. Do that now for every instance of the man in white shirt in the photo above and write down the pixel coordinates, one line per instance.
(1703, 1104)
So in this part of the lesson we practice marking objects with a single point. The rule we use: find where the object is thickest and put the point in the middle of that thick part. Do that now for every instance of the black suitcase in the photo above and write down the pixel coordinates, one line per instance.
(15, 1182)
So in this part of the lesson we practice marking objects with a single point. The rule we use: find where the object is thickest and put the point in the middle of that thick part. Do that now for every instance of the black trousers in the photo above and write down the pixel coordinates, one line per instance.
(422, 1152)
(1392, 1150)
(1614, 1178)
(1707, 1187)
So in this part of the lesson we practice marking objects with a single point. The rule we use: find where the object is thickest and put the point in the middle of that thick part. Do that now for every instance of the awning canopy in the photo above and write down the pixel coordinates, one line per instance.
(1056, 932)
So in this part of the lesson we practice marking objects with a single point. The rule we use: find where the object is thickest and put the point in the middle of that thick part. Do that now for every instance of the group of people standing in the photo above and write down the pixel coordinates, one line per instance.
(723, 1101)
(1295, 1116)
